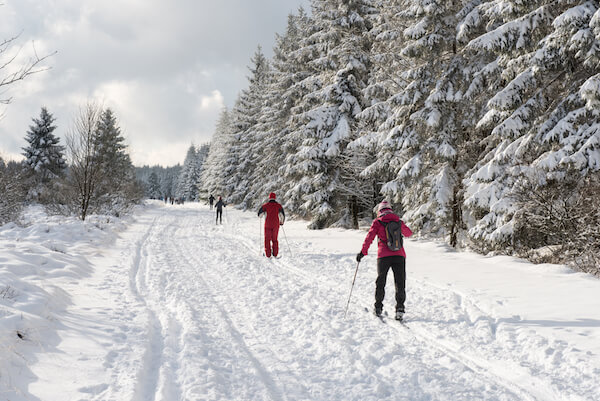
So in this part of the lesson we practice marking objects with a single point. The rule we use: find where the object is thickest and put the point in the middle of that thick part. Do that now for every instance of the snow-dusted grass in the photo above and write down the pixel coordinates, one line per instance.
(169, 306)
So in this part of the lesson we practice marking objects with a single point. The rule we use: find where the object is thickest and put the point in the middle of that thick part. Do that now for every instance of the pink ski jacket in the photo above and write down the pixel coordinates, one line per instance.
(377, 229)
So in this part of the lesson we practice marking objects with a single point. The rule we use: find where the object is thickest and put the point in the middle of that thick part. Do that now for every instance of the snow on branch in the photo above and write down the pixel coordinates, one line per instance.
(513, 35)
(590, 92)
(513, 93)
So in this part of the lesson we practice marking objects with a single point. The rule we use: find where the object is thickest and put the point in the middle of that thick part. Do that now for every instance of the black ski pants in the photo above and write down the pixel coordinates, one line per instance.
(219, 216)
(398, 266)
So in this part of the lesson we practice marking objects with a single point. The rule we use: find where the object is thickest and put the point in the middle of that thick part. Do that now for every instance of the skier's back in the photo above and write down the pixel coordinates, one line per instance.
(387, 258)
(272, 223)
(219, 206)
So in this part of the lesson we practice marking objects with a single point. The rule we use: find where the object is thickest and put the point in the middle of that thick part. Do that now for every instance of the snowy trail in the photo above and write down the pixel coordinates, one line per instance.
(192, 311)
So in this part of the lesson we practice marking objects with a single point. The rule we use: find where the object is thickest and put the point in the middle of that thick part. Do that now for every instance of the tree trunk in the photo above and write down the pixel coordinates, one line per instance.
(354, 210)
(456, 223)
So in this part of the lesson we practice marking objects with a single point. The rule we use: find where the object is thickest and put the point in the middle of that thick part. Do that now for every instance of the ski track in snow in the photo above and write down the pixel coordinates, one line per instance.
(199, 314)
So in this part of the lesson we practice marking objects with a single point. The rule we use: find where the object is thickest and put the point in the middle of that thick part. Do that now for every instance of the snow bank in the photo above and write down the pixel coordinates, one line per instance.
(36, 259)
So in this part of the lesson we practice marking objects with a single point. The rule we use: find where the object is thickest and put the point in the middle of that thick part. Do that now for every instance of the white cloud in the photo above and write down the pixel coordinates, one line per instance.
(166, 68)
(214, 102)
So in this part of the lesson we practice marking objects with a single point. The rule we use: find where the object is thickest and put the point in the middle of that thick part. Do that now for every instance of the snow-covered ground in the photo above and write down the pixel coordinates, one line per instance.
(168, 306)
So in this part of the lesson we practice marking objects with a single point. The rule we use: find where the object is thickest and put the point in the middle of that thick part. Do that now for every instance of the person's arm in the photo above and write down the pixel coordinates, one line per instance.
(260, 211)
(368, 240)
(282, 217)
(406, 232)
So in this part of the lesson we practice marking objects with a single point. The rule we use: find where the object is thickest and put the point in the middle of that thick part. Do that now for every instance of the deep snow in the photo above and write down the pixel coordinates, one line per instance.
(169, 306)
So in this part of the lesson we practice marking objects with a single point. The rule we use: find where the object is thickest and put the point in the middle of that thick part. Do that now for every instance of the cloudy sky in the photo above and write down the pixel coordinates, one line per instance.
(166, 68)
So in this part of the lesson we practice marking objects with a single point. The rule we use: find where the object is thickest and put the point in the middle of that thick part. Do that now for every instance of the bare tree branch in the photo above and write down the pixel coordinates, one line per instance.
(32, 66)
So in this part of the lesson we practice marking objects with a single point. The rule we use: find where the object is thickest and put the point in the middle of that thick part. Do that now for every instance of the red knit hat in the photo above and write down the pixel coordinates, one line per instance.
(272, 195)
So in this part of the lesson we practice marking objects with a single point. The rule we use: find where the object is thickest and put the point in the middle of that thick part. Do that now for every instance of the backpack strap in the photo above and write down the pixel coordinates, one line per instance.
(384, 224)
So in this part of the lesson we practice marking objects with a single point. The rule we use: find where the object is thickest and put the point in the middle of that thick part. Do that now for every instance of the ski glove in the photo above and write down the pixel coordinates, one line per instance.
(359, 256)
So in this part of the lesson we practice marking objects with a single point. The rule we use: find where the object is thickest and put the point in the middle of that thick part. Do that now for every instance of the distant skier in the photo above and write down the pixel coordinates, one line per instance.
(211, 200)
(386, 257)
(272, 222)
(219, 206)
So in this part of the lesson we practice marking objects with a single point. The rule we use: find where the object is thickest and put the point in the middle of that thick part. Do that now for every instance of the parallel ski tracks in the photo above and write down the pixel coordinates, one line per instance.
(523, 388)
(483, 368)
(155, 374)
(474, 363)
(258, 352)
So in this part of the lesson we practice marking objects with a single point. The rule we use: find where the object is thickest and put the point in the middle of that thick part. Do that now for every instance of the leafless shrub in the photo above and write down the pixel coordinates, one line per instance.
(558, 221)
(83, 174)
(12, 190)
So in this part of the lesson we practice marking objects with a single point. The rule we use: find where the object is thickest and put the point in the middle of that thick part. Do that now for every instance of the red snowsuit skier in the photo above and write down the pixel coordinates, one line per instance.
(272, 223)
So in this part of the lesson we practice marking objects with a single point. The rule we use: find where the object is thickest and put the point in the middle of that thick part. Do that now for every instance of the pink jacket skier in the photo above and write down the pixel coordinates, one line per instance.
(387, 258)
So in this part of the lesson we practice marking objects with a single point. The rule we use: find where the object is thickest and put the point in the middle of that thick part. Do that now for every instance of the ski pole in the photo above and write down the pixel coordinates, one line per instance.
(351, 288)
(286, 241)
(260, 236)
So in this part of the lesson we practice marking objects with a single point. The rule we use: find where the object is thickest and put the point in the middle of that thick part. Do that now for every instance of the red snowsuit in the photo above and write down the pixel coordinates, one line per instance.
(272, 209)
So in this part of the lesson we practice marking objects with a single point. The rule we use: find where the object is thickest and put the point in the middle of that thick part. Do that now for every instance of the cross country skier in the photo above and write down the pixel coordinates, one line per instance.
(386, 258)
(211, 200)
(219, 206)
(272, 223)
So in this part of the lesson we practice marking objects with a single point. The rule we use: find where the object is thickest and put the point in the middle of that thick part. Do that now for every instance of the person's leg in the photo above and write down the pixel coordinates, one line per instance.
(275, 241)
(399, 269)
(383, 267)
(268, 237)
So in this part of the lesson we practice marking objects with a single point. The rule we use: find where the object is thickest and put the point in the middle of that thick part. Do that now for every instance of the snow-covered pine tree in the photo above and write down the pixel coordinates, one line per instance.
(213, 178)
(187, 183)
(283, 93)
(117, 188)
(330, 110)
(377, 144)
(169, 180)
(305, 72)
(541, 125)
(247, 147)
(44, 156)
(201, 158)
(153, 191)
(429, 129)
